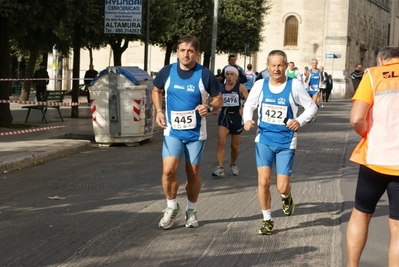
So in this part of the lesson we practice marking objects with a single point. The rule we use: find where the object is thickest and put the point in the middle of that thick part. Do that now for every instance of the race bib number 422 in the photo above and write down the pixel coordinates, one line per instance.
(274, 114)
(183, 120)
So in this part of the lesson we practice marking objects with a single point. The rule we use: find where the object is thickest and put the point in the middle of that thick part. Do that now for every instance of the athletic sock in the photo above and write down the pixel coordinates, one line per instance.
(267, 214)
(172, 203)
(190, 205)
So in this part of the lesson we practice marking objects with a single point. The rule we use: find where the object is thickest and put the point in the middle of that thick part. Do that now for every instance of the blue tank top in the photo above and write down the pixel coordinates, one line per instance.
(184, 95)
(274, 108)
(314, 80)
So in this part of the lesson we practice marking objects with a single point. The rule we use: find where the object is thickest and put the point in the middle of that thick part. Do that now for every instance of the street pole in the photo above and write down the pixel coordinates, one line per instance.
(55, 67)
(214, 34)
(147, 35)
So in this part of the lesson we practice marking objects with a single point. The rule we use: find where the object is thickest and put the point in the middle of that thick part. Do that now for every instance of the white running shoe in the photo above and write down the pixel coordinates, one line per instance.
(234, 170)
(168, 218)
(191, 218)
(219, 172)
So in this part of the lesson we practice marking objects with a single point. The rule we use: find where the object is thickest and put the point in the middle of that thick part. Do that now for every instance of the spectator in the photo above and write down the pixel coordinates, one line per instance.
(374, 116)
(356, 76)
(251, 77)
(41, 79)
(89, 76)
(232, 60)
(329, 87)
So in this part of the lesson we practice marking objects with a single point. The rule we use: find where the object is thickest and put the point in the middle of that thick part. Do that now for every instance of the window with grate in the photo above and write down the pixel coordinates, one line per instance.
(291, 31)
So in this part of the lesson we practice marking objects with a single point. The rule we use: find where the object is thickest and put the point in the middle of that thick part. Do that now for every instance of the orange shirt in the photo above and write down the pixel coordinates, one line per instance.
(379, 149)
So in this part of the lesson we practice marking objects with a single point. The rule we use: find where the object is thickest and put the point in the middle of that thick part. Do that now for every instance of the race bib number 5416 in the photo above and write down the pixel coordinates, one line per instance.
(183, 120)
(274, 114)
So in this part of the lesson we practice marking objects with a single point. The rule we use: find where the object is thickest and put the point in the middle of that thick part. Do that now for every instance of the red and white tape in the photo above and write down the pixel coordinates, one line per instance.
(40, 79)
(44, 103)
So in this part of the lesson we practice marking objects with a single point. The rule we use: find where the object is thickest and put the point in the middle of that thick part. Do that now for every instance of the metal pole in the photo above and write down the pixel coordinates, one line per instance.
(55, 67)
(147, 35)
(214, 34)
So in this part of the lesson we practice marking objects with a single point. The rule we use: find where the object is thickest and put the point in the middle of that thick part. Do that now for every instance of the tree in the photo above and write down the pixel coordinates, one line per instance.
(240, 22)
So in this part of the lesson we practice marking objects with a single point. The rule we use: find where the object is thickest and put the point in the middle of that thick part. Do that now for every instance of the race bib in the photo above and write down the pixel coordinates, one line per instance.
(183, 120)
(274, 114)
(231, 100)
(314, 88)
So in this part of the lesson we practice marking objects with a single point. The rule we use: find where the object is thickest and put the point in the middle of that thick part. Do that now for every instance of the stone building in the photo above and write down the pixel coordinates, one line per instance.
(338, 33)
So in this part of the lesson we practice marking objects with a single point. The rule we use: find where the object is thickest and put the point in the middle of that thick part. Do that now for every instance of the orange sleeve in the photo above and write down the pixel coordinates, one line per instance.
(365, 90)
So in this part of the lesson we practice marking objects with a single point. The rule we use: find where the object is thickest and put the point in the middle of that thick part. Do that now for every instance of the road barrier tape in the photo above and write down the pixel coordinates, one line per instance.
(39, 129)
(40, 79)
(44, 103)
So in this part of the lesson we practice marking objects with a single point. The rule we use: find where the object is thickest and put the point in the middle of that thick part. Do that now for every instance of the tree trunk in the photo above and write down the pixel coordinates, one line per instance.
(76, 71)
(118, 50)
(91, 55)
(207, 59)
(168, 52)
(30, 68)
(5, 86)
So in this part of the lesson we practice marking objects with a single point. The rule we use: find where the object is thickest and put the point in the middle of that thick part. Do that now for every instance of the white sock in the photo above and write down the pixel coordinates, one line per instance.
(267, 214)
(190, 205)
(172, 203)
(285, 196)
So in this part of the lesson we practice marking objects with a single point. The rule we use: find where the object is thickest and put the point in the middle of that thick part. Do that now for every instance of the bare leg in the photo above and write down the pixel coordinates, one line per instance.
(356, 236)
(283, 184)
(170, 182)
(220, 151)
(393, 251)
(235, 150)
(193, 184)
(264, 182)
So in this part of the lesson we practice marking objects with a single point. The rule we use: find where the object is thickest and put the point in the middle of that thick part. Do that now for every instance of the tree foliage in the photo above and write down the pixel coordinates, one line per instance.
(241, 22)
(34, 26)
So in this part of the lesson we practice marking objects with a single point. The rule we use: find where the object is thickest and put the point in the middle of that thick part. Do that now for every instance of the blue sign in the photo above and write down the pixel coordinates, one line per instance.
(330, 56)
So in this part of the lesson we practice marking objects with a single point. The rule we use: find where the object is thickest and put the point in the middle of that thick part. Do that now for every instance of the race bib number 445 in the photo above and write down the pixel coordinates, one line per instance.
(183, 120)
(274, 114)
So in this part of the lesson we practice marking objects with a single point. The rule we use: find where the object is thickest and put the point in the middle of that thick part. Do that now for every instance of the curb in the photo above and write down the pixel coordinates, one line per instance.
(41, 157)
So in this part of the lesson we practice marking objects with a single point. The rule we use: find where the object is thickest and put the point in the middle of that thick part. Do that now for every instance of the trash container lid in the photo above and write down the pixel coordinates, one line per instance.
(128, 72)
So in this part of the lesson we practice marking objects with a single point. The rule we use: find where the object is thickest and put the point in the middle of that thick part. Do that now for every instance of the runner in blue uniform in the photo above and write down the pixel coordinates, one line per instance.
(230, 120)
(187, 86)
(277, 99)
(314, 82)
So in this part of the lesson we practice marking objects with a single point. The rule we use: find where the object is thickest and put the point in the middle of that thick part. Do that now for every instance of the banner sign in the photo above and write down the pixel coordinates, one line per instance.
(123, 16)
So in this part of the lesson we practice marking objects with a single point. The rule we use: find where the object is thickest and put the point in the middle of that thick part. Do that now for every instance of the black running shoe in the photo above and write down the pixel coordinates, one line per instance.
(267, 228)
(288, 205)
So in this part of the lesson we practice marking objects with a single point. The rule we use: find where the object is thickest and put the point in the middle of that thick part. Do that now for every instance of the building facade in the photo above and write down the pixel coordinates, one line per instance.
(338, 33)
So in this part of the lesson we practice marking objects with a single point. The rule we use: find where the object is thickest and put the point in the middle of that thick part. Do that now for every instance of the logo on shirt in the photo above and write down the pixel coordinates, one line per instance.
(281, 101)
(389, 74)
(190, 88)
(176, 86)
(270, 100)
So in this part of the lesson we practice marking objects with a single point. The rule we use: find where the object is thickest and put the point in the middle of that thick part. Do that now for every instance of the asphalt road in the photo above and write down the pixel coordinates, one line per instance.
(101, 207)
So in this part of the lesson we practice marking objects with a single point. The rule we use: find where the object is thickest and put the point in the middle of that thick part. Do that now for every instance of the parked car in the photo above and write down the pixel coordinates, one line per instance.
(82, 91)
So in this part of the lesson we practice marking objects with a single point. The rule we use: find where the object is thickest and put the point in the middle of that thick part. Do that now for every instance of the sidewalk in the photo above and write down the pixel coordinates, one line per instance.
(20, 148)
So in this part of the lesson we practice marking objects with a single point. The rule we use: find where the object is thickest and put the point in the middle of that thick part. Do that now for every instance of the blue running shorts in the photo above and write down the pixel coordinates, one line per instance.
(312, 93)
(282, 157)
(192, 149)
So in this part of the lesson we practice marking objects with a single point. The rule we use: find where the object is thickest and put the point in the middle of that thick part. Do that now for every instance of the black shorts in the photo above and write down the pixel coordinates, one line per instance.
(371, 185)
(232, 121)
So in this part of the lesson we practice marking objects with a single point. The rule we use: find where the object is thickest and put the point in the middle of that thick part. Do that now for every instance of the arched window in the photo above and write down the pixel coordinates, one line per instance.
(291, 31)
